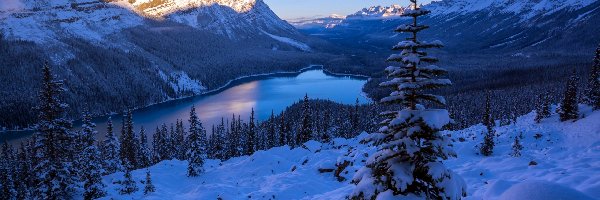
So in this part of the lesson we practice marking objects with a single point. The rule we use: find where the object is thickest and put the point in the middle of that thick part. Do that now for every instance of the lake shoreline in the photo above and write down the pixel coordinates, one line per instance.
(15, 134)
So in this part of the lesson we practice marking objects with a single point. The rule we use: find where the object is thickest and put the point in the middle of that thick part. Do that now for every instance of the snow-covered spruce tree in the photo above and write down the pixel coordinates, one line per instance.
(128, 185)
(92, 173)
(84, 140)
(355, 118)
(144, 156)
(593, 91)
(326, 125)
(516, 148)
(251, 136)
(24, 177)
(305, 133)
(487, 146)
(569, 109)
(233, 137)
(52, 168)
(180, 148)
(7, 161)
(197, 149)
(270, 143)
(149, 187)
(219, 141)
(410, 147)
(281, 140)
(543, 107)
(172, 145)
(128, 142)
(111, 150)
(156, 146)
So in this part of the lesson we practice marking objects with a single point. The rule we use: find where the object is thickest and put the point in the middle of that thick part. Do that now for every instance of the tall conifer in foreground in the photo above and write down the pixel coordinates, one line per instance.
(569, 109)
(52, 170)
(410, 147)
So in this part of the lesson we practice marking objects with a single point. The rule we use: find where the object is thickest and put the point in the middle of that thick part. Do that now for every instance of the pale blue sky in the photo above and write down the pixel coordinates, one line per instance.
(290, 9)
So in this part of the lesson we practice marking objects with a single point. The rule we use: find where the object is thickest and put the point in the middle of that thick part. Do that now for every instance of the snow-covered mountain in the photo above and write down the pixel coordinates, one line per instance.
(156, 49)
(47, 21)
(527, 9)
(321, 22)
(378, 12)
(559, 160)
(330, 22)
(488, 25)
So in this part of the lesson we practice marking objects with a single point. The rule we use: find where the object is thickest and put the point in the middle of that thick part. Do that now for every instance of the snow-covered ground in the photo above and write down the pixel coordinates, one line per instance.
(292, 42)
(567, 156)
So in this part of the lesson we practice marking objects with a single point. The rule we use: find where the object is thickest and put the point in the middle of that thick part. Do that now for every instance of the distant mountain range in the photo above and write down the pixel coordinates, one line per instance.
(468, 26)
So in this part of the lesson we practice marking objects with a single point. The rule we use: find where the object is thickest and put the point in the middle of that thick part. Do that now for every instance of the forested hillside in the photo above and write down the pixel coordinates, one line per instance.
(115, 55)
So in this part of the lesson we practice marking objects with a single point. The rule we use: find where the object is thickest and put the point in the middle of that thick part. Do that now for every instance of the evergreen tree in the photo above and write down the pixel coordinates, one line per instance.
(410, 146)
(271, 132)
(157, 146)
(128, 185)
(233, 138)
(197, 151)
(171, 149)
(593, 91)
(569, 109)
(325, 136)
(487, 147)
(177, 141)
(144, 157)
(92, 173)
(251, 136)
(52, 169)
(355, 118)
(282, 130)
(24, 179)
(149, 188)
(111, 150)
(543, 107)
(85, 139)
(129, 143)
(516, 148)
(306, 128)
(7, 187)
(219, 146)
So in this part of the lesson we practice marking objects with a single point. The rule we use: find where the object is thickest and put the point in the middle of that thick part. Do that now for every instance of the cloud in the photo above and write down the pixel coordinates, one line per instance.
(11, 5)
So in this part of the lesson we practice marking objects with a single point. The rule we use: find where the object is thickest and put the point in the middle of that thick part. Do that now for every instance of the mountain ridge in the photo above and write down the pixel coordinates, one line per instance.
(113, 58)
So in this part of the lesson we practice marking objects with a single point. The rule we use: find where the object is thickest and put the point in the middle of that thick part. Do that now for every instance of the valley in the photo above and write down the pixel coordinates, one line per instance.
(235, 99)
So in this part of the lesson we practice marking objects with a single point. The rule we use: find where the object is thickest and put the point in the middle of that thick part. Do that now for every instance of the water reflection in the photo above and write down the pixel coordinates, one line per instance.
(265, 95)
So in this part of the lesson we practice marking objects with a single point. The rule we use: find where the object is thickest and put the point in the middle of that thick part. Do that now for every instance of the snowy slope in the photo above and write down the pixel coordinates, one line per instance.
(568, 157)
(491, 26)
(526, 8)
(45, 21)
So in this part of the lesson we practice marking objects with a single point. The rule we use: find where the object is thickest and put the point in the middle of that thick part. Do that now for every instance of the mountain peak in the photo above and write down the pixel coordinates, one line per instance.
(160, 8)
(379, 12)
